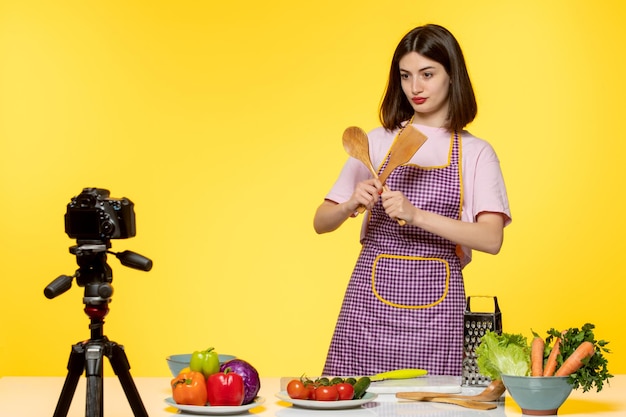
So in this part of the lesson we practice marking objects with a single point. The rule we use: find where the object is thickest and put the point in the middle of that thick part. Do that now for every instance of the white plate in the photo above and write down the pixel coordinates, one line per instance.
(430, 383)
(327, 405)
(217, 410)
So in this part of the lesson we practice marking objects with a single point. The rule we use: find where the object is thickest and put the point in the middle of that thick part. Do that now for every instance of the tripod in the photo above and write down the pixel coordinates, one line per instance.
(95, 275)
(88, 356)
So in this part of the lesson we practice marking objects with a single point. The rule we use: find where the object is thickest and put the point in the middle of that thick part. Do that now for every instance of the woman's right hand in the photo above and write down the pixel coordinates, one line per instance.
(330, 215)
(366, 194)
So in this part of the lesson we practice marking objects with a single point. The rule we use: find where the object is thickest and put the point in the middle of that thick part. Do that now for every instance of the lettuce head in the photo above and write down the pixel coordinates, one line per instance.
(507, 354)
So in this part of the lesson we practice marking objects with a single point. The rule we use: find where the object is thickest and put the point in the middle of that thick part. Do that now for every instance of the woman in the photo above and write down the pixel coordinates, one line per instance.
(404, 304)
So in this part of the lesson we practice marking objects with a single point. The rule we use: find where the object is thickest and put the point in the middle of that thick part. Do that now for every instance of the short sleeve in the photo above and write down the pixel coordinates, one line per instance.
(351, 174)
(488, 188)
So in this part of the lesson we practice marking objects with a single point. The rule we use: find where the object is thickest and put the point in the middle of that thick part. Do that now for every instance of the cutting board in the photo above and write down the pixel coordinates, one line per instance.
(430, 383)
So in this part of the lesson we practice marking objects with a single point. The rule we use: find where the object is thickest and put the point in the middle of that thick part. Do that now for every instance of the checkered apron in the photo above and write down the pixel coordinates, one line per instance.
(404, 304)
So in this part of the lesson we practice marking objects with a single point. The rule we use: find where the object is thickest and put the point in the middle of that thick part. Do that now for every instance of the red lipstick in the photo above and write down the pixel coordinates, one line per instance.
(418, 100)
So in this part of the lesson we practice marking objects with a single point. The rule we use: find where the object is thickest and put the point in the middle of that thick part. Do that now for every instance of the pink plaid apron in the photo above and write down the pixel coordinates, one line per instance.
(404, 304)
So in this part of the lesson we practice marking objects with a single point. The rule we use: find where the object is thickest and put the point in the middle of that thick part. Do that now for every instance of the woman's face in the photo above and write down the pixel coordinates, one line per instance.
(425, 84)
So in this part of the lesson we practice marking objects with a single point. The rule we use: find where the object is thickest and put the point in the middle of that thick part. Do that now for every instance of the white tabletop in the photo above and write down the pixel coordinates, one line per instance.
(37, 397)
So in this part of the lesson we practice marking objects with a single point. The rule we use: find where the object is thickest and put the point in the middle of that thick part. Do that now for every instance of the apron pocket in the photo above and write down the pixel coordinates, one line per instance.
(410, 281)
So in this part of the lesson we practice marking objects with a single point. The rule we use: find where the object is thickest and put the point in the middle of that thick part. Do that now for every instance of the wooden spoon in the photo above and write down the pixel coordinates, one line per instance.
(463, 403)
(356, 144)
(491, 393)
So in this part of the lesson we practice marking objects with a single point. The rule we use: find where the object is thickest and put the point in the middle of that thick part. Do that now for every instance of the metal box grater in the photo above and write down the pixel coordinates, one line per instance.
(475, 326)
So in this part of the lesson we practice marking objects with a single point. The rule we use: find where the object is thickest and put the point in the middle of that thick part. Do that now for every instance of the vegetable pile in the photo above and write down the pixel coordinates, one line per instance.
(205, 381)
(573, 352)
(328, 389)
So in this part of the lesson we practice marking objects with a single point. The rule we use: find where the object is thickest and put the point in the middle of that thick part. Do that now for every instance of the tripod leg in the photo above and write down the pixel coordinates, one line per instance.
(94, 352)
(94, 406)
(121, 367)
(75, 367)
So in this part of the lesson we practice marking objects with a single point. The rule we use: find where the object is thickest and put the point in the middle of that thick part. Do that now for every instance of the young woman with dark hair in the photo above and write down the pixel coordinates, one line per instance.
(404, 303)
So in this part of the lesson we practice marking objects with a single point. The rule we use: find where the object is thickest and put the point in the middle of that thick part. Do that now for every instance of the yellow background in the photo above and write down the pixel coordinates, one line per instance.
(222, 121)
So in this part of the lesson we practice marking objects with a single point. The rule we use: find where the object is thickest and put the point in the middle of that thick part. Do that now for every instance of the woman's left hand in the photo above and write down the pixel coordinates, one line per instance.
(397, 206)
(485, 234)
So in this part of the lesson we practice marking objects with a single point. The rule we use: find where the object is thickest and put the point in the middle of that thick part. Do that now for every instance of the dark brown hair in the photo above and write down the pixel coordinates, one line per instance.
(437, 43)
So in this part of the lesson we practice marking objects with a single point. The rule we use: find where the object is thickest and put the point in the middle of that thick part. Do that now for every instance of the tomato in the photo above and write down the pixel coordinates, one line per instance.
(326, 393)
(345, 390)
(310, 387)
(297, 390)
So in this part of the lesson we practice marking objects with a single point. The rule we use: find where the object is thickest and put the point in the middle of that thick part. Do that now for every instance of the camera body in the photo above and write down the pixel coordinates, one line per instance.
(93, 215)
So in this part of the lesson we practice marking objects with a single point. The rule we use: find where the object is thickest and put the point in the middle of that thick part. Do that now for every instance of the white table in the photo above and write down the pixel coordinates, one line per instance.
(25, 396)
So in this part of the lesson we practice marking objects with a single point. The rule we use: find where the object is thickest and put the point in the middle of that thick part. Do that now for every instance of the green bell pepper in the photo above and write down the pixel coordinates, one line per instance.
(205, 361)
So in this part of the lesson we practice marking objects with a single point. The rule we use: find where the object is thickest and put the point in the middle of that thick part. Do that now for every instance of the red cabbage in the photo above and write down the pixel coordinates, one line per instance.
(251, 380)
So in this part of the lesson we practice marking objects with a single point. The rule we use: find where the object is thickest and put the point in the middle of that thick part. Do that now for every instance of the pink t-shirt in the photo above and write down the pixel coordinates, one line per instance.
(483, 183)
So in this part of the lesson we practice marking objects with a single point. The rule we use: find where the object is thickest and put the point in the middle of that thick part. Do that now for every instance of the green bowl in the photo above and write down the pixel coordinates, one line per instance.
(538, 395)
(177, 363)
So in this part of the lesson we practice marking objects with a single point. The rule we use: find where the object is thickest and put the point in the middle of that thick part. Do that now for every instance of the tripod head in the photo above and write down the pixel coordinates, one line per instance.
(94, 218)
(94, 273)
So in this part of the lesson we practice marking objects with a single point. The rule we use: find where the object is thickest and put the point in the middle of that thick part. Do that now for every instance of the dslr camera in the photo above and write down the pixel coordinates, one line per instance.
(93, 215)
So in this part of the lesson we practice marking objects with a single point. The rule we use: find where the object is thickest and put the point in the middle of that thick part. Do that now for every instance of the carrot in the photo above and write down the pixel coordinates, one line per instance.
(550, 367)
(575, 360)
(536, 357)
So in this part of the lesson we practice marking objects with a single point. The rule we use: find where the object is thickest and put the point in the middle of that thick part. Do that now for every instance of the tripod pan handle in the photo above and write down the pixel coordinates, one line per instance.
(58, 286)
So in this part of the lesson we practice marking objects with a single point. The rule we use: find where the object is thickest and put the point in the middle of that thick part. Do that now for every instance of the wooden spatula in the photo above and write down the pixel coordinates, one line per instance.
(403, 149)
(408, 142)
(477, 405)
(491, 393)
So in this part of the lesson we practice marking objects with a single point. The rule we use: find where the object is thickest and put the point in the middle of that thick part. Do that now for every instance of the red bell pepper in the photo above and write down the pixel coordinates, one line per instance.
(189, 388)
(225, 388)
